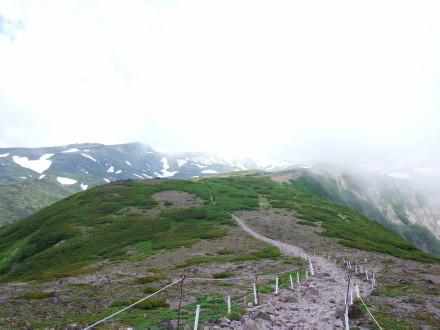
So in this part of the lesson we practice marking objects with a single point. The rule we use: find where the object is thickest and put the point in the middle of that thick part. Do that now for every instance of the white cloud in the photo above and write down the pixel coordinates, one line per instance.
(243, 76)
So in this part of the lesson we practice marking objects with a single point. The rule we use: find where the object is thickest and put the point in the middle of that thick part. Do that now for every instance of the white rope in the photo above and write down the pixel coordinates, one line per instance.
(370, 312)
(137, 302)
(237, 278)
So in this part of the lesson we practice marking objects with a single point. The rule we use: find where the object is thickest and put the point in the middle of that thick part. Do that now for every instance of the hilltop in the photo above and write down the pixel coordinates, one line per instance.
(96, 250)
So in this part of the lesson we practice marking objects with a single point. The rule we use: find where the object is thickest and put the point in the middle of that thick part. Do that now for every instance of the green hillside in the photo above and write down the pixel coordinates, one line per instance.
(111, 221)
(355, 198)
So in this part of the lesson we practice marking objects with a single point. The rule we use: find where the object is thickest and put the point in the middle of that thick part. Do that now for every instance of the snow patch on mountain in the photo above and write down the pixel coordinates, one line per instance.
(118, 171)
(66, 181)
(201, 166)
(139, 176)
(181, 162)
(270, 164)
(128, 163)
(39, 165)
(89, 157)
(41, 176)
(84, 186)
(165, 172)
(106, 180)
(70, 150)
(209, 172)
(4, 155)
(83, 170)
(111, 169)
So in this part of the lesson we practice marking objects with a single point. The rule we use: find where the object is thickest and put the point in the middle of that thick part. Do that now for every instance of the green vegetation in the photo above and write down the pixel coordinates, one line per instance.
(307, 223)
(38, 294)
(150, 289)
(225, 251)
(222, 275)
(147, 304)
(148, 279)
(266, 253)
(103, 222)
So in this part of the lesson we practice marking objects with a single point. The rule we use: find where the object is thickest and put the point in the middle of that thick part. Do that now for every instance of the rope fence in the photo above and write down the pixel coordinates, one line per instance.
(137, 302)
(348, 294)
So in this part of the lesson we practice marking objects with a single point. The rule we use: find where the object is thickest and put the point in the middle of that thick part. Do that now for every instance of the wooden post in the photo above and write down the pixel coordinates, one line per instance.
(229, 304)
(180, 301)
(357, 291)
(276, 286)
(291, 282)
(297, 277)
(307, 275)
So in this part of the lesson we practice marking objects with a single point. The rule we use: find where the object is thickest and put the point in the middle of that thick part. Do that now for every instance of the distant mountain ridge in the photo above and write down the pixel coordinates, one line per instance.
(32, 178)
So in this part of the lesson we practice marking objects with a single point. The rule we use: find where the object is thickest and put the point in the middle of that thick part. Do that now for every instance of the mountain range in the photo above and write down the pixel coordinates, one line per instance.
(31, 178)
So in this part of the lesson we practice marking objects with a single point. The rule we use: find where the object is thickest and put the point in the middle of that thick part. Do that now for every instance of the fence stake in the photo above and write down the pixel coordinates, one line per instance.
(180, 302)
(196, 322)
(291, 282)
(366, 274)
(297, 277)
(229, 304)
(255, 294)
(276, 286)
(351, 296)
(357, 291)
(346, 305)
(307, 275)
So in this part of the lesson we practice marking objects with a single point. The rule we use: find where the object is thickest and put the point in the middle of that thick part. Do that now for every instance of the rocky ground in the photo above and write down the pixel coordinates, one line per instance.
(406, 295)
(316, 303)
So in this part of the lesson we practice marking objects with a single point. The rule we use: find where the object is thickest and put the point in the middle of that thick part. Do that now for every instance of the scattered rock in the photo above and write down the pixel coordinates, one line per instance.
(355, 312)
(264, 316)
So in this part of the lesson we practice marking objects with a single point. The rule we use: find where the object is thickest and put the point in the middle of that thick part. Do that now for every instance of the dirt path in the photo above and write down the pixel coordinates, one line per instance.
(318, 303)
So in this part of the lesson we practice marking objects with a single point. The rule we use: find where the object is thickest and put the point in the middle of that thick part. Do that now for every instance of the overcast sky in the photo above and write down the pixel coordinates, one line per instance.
(285, 79)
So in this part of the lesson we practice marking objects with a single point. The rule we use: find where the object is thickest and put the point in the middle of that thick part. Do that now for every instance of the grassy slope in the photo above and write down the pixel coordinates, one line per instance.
(328, 189)
(104, 221)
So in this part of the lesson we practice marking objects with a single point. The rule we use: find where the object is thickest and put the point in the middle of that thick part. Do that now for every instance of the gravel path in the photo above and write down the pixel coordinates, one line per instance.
(318, 303)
